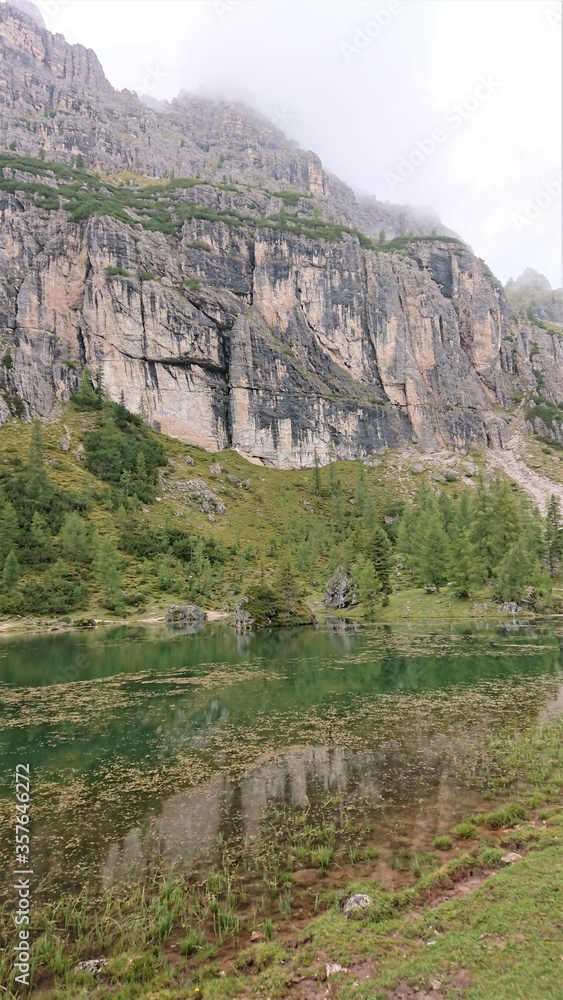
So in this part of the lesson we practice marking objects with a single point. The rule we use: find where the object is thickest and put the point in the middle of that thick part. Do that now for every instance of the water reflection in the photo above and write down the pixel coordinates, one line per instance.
(160, 746)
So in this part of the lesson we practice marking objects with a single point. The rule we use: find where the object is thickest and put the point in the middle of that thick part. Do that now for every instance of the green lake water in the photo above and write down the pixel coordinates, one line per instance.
(146, 745)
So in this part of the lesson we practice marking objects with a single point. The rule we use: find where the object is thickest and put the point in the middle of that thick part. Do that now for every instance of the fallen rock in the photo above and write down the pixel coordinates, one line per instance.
(257, 936)
(185, 616)
(64, 444)
(511, 857)
(215, 469)
(341, 591)
(357, 902)
(509, 608)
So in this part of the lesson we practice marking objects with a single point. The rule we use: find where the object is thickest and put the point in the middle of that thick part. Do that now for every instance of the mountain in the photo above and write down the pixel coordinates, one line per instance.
(533, 295)
(227, 286)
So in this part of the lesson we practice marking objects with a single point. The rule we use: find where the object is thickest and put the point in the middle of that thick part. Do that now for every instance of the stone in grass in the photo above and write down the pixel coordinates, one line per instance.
(64, 444)
(511, 857)
(333, 967)
(92, 965)
(359, 901)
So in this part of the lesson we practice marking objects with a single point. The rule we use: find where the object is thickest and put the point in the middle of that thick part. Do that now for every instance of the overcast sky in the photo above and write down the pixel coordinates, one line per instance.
(454, 104)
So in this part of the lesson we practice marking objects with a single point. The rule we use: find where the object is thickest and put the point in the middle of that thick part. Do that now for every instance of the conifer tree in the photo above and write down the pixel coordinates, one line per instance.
(11, 571)
(74, 539)
(9, 530)
(41, 538)
(378, 551)
(553, 537)
(369, 586)
(517, 570)
(434, 556)
(108, 566)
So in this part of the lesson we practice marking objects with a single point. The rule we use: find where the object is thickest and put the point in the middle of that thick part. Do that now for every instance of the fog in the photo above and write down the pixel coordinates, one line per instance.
(454, 104)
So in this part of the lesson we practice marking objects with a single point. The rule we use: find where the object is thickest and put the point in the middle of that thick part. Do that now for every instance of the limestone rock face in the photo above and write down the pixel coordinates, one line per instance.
(263, 313)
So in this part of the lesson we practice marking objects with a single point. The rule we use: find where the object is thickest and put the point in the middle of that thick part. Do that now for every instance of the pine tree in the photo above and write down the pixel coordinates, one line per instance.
(9, 530)
(369, 586)
(553, 537)
(36, 482)
(41, 538)
(108, 572)
(515, 573)
(74, 539)
(287, 585)
(11, 571)
(464, 566)
(434, 556)
(378, 551)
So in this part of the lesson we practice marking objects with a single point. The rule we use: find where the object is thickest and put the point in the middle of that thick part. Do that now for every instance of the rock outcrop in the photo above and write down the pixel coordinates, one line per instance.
(251, 304)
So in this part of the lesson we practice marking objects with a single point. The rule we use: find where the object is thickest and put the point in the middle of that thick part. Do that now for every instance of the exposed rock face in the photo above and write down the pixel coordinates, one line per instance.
(247, 321)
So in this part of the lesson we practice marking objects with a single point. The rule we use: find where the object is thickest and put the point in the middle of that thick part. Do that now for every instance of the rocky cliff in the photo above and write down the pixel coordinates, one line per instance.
(226, 285)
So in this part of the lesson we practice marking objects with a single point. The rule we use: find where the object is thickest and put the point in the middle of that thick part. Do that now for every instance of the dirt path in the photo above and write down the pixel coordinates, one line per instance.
(539, 488)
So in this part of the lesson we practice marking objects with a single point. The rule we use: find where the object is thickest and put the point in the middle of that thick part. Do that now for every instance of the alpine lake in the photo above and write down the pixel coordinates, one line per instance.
(284, 763)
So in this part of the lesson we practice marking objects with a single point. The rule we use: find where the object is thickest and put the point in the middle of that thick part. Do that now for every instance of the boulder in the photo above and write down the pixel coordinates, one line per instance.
(341, 591)
(359, 901)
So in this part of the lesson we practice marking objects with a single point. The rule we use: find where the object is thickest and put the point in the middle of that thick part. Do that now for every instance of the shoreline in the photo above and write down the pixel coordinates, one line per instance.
(22, 626)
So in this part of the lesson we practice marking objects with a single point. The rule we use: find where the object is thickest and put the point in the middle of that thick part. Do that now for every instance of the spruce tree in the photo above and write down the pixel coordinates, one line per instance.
(11, 571)
(108, 566)
(434, 556)
(515, 573)
(369, 586)
(74, 539)
(553, 537)
(9, 530)
(378, 551)
(41, 539)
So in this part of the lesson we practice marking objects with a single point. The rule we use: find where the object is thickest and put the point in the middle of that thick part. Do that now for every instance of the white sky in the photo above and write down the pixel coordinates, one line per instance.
(364, 102)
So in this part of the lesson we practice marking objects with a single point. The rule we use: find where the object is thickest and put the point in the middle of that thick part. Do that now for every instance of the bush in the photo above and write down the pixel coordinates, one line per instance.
(116, 271)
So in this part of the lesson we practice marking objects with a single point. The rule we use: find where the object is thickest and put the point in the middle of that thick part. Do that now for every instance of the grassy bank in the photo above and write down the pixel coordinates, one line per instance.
(267, 920)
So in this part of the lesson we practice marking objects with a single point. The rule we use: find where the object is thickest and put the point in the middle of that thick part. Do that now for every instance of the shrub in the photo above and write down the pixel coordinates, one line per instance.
(116, 272)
